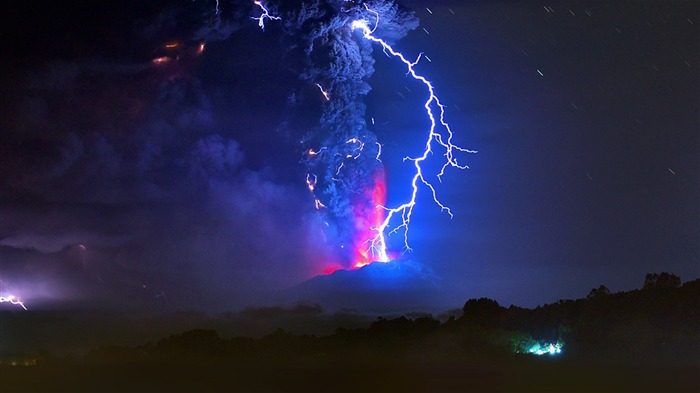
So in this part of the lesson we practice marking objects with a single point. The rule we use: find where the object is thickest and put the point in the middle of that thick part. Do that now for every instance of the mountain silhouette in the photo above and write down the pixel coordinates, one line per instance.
(394, 286)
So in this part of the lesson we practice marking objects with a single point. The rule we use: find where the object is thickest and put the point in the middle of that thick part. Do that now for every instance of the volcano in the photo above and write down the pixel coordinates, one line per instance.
(394, 286)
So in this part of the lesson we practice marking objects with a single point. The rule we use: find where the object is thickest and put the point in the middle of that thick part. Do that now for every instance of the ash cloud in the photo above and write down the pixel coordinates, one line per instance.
(132, 184)
(125, 184)
(338, 60)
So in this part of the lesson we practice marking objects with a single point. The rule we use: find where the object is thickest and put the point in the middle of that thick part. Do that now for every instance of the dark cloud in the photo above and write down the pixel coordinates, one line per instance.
(123, 184)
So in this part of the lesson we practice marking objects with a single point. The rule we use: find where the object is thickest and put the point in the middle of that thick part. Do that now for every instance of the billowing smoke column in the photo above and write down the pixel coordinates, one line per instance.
(346, 175)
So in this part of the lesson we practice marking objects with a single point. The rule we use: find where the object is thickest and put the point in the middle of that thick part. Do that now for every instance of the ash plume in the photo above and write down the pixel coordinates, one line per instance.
(341, 153)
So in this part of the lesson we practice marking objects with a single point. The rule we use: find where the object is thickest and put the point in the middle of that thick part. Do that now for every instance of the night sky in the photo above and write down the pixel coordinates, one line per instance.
(178, 185)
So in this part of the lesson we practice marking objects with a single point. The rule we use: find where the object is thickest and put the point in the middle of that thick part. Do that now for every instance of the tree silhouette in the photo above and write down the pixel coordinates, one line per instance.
(661, 280)
(599, 292)
(482, 311)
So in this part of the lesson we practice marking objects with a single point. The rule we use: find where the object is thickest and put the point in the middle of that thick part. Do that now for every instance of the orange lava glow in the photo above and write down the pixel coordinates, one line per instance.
(161, 60)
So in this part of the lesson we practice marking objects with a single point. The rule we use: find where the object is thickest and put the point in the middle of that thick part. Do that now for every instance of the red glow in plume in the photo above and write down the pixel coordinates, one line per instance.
(368, 215)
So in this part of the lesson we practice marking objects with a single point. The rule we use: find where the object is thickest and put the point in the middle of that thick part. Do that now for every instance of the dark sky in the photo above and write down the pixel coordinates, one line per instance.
(125, 183)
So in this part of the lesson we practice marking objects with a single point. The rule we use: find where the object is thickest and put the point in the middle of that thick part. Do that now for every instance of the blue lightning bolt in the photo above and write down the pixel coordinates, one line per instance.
(439, 135)
(377, 245)
(12, 300)
(265, 15)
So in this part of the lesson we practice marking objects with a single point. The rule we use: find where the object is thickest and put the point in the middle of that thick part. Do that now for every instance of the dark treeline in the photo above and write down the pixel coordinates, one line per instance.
(659, 321)
(641, 340)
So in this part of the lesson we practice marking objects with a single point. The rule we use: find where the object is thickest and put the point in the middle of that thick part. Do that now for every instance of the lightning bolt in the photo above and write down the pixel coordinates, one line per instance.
(357, 151)
(12, 300)
(311, 183)
(379, 151)
(265, 15)
(441, 138)
(354, 154)
(325, 93)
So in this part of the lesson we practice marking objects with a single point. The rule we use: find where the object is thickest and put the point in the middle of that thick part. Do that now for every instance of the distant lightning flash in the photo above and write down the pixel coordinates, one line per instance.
(377, 245)
(12, 300)
(265, 15)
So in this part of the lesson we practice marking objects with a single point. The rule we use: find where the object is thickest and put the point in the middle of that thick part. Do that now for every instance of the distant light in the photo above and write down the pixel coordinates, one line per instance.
(161, 60)
(547, 348)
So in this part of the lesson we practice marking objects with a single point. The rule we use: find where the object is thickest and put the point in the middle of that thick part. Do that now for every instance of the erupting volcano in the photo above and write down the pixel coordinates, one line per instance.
(345, 173)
